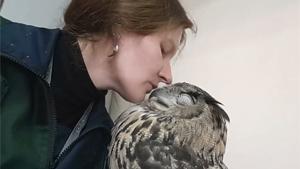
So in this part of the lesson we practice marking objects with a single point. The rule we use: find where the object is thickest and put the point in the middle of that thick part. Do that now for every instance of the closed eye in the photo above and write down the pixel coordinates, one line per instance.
(185, 99)
(164, 52)
(167, 49)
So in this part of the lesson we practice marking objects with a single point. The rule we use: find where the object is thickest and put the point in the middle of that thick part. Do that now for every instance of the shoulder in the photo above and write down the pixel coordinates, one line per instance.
(27, 45)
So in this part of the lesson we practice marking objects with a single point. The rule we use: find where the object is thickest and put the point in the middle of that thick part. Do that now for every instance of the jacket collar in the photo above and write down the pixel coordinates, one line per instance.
(29, 46)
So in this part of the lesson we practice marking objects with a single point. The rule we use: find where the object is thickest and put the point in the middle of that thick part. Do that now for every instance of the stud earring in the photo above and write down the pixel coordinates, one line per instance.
(115, 49)
(115, 45)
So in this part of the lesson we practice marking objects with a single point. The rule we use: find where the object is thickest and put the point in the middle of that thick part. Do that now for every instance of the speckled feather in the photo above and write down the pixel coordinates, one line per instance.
(179, 127)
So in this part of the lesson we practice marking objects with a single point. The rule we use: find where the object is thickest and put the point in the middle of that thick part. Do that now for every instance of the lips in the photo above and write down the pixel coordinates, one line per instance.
(152, 86)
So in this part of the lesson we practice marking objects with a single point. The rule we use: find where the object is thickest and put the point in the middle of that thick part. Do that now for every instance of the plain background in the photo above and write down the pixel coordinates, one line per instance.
(246, 54)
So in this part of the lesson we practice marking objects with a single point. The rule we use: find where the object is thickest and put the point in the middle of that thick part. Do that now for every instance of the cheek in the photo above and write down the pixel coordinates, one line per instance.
(153, 62)
(143, 63)
(133, 92)
(132, 83)
(143, 56)
(136, 66)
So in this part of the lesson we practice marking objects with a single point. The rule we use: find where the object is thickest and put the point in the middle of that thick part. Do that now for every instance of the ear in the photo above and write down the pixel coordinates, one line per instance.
(115, 44)
(217, 111)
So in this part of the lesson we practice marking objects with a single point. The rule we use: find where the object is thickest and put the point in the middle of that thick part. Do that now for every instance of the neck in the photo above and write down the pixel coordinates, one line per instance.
(99, 66)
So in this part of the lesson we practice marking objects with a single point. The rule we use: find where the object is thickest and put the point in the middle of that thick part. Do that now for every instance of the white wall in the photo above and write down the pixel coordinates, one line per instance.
(44, 13)
(246, 54)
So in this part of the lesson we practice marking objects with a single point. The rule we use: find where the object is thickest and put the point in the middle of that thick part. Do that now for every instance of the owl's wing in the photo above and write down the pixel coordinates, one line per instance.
(148, 143)
(190, 138)
(201, 130)
(163, 154)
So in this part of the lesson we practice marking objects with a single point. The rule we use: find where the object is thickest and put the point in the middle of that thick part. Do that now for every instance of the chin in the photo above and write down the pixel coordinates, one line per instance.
(138, 98)
(133, 94)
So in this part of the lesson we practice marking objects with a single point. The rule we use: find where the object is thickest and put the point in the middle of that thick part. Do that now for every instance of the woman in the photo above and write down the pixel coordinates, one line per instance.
(53, 82)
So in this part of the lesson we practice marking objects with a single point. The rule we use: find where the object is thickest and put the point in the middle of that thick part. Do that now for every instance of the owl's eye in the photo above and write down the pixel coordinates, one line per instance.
(185, 99)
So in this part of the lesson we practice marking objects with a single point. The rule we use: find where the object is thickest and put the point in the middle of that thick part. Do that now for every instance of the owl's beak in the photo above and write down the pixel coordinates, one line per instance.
(154, 93)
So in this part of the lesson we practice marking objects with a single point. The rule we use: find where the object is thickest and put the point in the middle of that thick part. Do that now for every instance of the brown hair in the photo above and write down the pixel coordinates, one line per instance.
(84, 18)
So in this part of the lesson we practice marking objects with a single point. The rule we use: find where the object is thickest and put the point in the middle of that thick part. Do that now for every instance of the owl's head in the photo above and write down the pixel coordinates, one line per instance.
(181, 94)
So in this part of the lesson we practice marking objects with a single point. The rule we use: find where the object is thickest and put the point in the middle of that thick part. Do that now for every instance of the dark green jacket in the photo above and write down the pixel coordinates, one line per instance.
(28, 124)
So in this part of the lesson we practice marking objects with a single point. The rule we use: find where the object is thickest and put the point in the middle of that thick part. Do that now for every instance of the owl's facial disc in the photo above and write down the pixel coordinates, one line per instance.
(160, 99)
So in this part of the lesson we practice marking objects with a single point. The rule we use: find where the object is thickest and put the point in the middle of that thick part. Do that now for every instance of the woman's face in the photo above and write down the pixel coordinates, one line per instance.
(144, 61)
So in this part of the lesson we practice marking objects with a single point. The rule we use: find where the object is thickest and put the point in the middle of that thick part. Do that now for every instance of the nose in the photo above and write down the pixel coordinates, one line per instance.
(166, 74)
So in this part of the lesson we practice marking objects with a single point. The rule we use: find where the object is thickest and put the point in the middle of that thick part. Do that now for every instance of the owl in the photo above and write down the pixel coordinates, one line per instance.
(179, 126)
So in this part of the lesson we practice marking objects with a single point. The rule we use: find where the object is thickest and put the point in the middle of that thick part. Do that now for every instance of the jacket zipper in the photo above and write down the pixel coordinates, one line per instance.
(65, 152)
(75, 134)
(51, 115)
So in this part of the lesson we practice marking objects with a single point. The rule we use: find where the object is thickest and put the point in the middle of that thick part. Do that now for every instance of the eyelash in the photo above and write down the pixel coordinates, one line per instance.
(163, 51)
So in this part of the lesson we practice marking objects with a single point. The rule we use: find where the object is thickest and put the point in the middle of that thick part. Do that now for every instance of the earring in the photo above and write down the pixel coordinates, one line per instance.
(115, 49)
(115, 45)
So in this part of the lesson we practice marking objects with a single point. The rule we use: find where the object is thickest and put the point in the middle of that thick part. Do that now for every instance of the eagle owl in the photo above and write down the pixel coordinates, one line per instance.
(179, 126)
